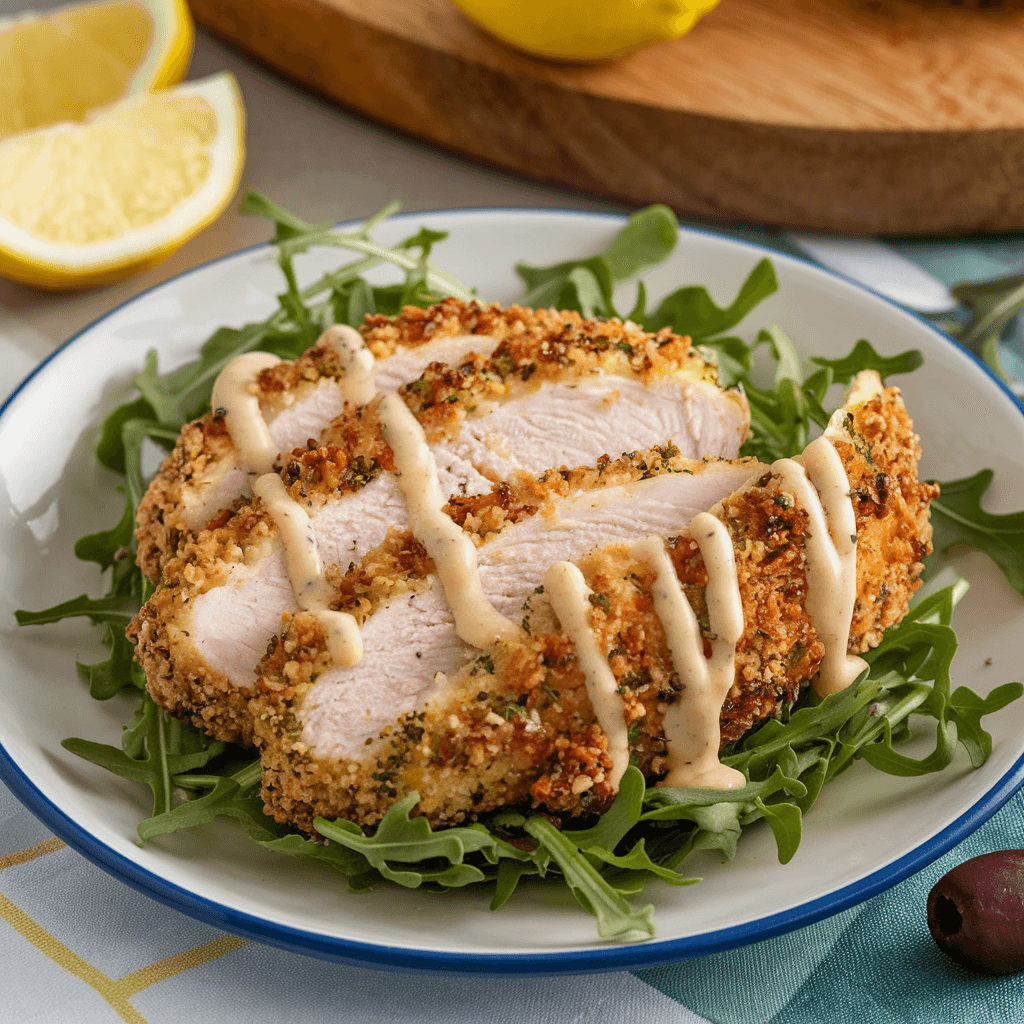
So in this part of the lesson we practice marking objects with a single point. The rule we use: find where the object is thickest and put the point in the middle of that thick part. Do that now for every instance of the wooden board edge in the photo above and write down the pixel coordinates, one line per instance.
(880, 182)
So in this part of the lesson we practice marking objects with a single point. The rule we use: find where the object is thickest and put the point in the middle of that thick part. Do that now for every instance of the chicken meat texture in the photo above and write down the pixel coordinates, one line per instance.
(556, 391)
(472, 731)
(202, 480)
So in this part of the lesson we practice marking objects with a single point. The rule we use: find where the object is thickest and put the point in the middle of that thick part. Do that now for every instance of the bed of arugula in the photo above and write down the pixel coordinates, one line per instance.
(647, 832)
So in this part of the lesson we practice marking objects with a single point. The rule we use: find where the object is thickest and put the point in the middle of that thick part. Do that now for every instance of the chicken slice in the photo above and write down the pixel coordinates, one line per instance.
(515, 724)
(202, 476)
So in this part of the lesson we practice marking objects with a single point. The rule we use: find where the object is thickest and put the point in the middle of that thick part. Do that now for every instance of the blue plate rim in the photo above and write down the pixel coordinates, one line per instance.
(593, 959)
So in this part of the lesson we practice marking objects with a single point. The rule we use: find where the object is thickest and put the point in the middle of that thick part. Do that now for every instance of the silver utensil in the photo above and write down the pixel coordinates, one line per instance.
(879, 268)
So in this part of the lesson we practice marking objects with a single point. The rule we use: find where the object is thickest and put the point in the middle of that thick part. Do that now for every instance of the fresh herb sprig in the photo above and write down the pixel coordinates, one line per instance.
(993, 306)
(645, 833)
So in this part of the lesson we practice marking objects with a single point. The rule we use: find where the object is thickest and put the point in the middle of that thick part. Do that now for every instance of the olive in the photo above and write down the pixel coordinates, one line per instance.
(976, 912)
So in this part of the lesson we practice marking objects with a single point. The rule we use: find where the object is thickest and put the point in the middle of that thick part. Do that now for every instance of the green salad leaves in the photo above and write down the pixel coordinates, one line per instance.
(646, 833)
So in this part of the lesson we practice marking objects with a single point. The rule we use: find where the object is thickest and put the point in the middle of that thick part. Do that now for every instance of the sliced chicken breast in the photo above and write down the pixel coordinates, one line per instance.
(346, 708)
(533, 407)
(471, 731)
(202, 476)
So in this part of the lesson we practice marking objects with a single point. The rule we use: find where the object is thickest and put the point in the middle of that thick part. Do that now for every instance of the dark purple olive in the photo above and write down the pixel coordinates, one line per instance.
(976, 913)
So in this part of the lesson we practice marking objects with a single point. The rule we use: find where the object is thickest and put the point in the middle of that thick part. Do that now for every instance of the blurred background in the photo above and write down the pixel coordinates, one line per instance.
(860, 117)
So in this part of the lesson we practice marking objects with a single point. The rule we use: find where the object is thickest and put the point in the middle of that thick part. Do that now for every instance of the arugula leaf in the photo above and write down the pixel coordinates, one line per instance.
(638, 863)
(361, 877)
(108, 546)
(509, 873)
(692, 311)
(178, 397)
(400, 838)
(649, 238)
(785, 822)
(154, 749)
(958, 518)
(110, 676)
(994, 305)
(109, 449)
(781, 417)
(220, 801)
(353, 302)
(586, 285)
(108, 610)
(587, 290)
(864, 357)
(621, 816)
(113, 549)
(967, 709)
(614, 915)
(286, 224)
(718, 816)
(294, 236)
(583, 285)
(730, 355)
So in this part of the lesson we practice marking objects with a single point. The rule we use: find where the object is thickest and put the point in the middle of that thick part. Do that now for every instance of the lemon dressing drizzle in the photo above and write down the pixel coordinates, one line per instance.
(357, 363)
(477, 622)
(569, 595)
(692, 724)
(302, 560)
(822, 488)
(234, 392)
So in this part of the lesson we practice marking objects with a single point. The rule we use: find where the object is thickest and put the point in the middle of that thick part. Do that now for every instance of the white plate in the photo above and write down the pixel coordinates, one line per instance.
(867, 831)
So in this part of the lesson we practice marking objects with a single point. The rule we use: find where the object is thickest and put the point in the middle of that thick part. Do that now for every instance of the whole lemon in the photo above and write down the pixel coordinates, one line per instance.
(584, 30)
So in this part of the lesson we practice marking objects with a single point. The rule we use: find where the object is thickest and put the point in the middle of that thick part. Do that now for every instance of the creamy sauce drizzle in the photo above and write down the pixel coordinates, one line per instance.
(830, 557)
(311, 590)
(357, 383)
(454, 554)
(691, 724)
(570, 598)
(234, 392)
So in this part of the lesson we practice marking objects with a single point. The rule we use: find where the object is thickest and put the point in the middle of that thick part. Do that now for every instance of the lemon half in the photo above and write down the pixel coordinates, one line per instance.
(88, 204)
(60, 65)
(584, 30)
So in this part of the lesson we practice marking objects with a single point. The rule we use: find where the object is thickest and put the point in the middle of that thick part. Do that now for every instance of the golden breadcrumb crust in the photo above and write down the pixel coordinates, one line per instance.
(349, 453)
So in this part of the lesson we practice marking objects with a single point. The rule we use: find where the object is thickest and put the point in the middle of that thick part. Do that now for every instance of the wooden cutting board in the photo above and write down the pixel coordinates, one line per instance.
(887, 116)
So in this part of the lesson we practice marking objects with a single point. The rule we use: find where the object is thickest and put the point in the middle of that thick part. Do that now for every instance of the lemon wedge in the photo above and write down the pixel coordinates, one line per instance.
(59, 65)
(584, 30)
(87, 204)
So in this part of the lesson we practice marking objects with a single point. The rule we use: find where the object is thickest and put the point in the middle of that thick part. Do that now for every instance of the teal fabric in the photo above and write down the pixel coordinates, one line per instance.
(874, 963)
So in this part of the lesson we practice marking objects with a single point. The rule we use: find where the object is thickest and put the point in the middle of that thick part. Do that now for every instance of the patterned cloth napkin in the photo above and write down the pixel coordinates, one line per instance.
(78, 945)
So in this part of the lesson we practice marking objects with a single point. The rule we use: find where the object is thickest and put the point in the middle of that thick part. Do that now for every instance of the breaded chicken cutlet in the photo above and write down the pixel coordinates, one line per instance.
(450, 524)
(517, 724)
(559, 392)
